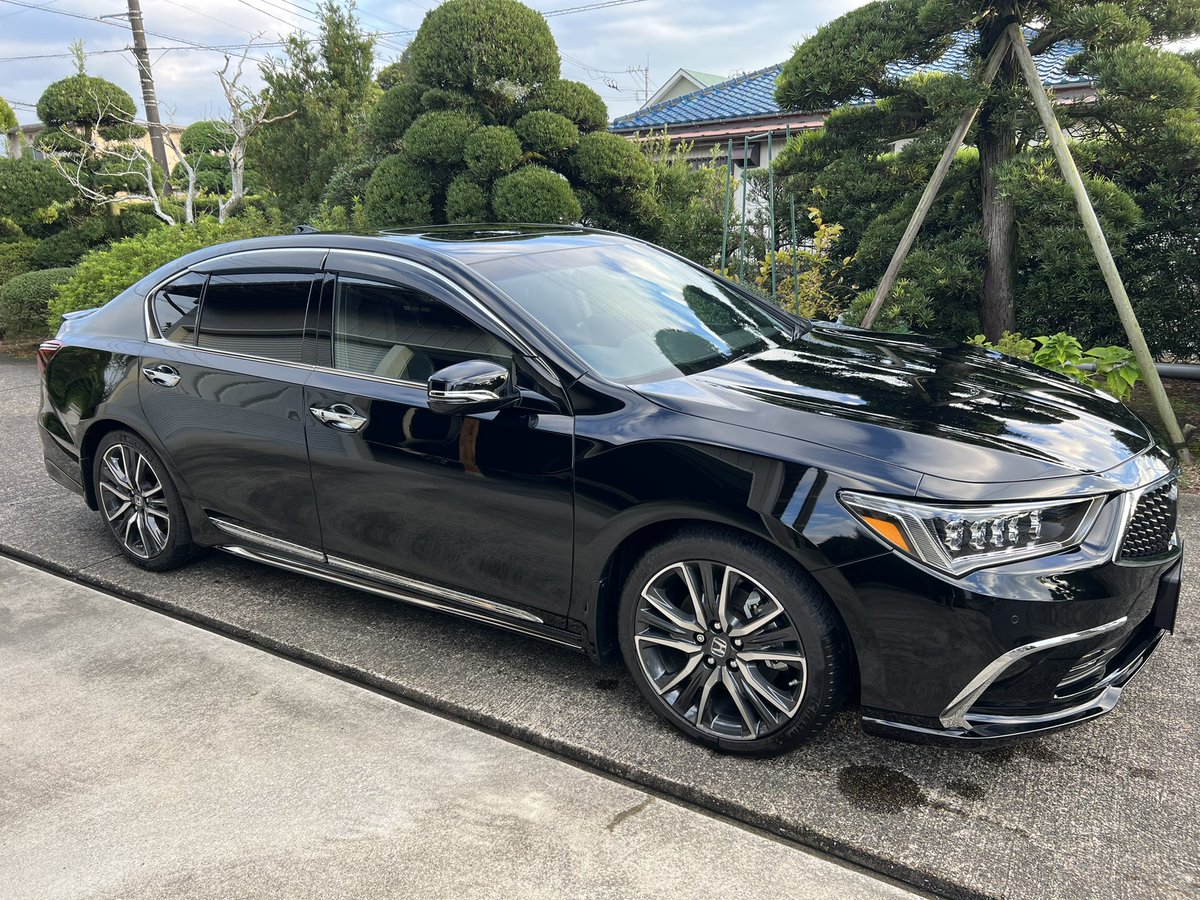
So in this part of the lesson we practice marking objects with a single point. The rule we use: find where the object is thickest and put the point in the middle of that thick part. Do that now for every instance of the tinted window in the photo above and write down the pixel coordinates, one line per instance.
(175, 307)
(258, 315)
(400, 333)
(634, 313)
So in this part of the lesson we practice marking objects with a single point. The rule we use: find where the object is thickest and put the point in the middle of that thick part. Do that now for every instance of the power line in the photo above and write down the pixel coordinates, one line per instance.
(17, 12)
(588, 8)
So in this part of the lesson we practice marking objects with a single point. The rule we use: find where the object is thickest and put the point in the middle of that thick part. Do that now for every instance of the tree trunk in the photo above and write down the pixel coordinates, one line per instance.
(997, 142)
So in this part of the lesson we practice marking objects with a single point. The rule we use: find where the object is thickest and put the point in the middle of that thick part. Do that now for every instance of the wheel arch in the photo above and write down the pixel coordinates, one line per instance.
(602, 583)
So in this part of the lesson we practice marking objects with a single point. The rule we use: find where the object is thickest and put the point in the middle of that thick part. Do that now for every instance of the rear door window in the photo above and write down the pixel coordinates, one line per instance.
(256, 315)
(175, 307)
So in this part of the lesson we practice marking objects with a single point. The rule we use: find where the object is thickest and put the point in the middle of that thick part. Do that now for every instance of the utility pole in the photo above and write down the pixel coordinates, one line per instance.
(149, 98)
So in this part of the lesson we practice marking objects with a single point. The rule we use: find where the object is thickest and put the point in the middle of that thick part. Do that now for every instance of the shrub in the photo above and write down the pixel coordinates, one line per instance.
(571, 99)
(9, 230)
(466, 201)
(25, 299)
(546, 133)
(491, 151)
(535, 194)
(83, 100)
(478, 45)
(8, 119)
(440, 98)
(1114, 368)
(398, 194)
(608, 162)
(396, 110)
(66, 247)
(28, 187)
(16, 258)
(438, 138)
(103, 274)
(207, 136)
(349, 182)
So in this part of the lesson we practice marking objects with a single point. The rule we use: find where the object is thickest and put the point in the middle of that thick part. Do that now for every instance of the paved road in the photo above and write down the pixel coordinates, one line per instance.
(145, 757)
(1106, 810)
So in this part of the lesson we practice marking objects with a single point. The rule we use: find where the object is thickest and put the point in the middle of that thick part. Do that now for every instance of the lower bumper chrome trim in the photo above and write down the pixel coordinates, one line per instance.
(954, 715)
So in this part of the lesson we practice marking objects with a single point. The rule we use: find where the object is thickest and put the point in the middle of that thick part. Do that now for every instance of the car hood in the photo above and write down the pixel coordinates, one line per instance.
(950, 410)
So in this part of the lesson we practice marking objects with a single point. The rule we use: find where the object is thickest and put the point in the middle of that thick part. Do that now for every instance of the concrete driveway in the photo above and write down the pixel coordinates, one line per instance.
(1106, 810)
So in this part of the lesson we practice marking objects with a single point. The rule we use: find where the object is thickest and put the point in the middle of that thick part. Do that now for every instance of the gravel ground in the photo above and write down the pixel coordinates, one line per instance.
(1105, 810)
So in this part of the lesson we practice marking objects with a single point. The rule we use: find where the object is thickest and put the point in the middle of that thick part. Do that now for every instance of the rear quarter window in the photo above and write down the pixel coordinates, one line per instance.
(175, 306)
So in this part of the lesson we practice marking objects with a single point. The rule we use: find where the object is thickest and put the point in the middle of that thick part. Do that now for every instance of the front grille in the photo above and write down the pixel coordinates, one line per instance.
(1151, 531)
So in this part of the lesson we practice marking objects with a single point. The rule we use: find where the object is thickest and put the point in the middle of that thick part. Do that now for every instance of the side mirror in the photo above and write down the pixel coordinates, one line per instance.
(474, 386)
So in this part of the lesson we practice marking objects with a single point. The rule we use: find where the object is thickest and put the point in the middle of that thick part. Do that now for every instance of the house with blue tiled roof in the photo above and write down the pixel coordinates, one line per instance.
(743, 109)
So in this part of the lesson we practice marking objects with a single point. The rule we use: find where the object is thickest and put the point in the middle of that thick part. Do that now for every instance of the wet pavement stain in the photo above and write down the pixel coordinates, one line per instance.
(1141, 772)
(968, 790)
(1030, 750)
(879, 789)
(607, 684)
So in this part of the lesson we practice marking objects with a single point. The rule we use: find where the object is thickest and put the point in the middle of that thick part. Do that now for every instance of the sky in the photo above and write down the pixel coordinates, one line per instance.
(598, 46)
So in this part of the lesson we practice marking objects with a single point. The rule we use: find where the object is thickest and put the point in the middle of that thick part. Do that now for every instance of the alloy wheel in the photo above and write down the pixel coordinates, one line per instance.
(720, 650)
(133, 501)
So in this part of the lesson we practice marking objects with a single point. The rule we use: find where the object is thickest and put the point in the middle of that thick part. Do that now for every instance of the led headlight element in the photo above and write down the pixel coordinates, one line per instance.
(960, 539)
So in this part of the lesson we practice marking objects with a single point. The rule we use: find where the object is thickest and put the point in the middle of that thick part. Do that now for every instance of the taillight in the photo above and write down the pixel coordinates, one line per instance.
(45, 353)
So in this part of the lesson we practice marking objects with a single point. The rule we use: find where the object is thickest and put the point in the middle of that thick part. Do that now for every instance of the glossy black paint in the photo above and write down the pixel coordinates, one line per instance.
(543, 505)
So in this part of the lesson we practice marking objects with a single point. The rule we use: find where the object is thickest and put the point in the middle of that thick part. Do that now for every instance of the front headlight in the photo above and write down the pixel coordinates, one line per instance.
(960, 539)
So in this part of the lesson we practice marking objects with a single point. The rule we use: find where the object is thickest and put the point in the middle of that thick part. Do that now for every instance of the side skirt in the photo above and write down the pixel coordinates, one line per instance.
(488, 612)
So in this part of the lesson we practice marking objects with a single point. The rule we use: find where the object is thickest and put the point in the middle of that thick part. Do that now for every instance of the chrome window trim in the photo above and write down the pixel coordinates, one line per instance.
(954, 715)
(329, 370)
(163, 342)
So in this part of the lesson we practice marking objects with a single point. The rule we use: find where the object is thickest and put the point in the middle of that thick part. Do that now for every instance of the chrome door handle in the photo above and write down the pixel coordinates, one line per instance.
(339, 416)
(164, 375)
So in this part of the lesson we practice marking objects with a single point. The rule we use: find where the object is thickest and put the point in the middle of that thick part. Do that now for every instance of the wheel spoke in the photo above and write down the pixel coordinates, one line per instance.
(679, 676)
(695, 591)
(156, 512)
(690, 687)
(670, 611)
(157, 538)
(783, 656)
(759, 685)
(735, 694)
(117, 513)
(688, 647)
(116, 490)
(129, 523)
(758, 622)
(112, 463)
(770, 714)
(137, 470)
(706, 695)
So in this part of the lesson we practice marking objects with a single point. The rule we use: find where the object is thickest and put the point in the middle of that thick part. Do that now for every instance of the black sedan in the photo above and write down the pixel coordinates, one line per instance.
(578, 436)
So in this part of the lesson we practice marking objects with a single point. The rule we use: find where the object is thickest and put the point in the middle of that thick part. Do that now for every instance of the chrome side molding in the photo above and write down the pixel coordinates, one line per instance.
(954, 715)
(266, 540)
(348, 580)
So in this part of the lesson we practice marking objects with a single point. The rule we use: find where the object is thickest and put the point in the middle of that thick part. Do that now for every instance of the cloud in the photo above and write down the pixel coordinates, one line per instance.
(598, 47)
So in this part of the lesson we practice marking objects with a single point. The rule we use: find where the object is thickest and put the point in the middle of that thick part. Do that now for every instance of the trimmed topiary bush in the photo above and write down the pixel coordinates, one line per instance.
(476, 46)
(440, 98)
(27, 187)
(396, 110)
(546, 133)
(466, 201)
(349, 182)
(571, 99)
(535, 194)
(25, 302)
(16, 258)
(85, 101)
(491, 151)
(103, 274)
(10, 230)
(65, 247)
(399, 193)
(438, 138)
(607, 162)
(208, 136)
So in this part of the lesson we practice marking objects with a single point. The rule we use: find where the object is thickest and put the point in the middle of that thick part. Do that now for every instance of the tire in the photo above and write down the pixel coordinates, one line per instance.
(139, 503)
(766, 671)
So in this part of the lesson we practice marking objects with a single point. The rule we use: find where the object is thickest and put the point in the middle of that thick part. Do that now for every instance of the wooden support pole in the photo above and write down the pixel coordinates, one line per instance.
(1091, 224)
(931, 190)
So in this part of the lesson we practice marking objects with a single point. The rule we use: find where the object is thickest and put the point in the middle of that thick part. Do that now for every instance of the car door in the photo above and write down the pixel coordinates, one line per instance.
(222, 388)
(478, 503)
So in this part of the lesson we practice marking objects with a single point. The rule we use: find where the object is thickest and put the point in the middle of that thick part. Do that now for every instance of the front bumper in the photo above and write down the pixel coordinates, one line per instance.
(1011, 652)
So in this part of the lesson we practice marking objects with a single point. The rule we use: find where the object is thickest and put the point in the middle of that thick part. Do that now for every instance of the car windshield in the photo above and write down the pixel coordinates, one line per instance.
(633, 313)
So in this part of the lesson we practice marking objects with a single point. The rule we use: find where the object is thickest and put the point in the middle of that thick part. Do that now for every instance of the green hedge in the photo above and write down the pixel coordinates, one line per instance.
(25, 303)
(103, 274)
(535, 194)
(16, 258)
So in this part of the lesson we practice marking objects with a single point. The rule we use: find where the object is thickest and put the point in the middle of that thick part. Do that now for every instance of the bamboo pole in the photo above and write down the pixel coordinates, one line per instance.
(931, 190)
(728, 208)
(1091, 224)
(745, 184)
(771, 194)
